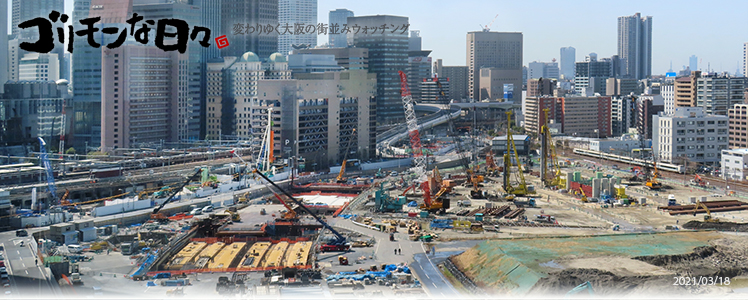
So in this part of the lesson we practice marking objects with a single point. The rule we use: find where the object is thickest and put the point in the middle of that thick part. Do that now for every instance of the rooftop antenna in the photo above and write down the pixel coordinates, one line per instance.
(487, 28)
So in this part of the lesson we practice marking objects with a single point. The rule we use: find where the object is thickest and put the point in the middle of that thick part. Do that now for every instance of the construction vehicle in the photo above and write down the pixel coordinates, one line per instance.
(384, 203)
(379, 174)
(652, 182)
(491, 168)
(522, 188)
(342, 260)
(290, 213)
(235, 217)
(529, 203)
(708, 217)
(339, 244)
(155, 215)
(548, 156)
(75, 278)
(671, 200)
(699, 182)
(584, 286)
(584, 196)
(432, 205)
(340, 178)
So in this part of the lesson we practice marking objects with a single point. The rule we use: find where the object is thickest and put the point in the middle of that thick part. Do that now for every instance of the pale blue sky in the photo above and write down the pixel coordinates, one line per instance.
(712, 30)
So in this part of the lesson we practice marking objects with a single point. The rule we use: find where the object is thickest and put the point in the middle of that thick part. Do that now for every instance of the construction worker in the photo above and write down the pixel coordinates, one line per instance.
(395, 251)
(36, 261)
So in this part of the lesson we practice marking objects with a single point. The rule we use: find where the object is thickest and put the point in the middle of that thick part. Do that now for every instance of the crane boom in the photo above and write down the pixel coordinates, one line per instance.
(340, 178)
(522, 189)
(412, 122)
(340, 238)
(174, 193)
(48, 168)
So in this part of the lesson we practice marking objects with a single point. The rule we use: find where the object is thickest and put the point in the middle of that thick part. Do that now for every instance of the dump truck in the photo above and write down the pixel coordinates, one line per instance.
(75, 278)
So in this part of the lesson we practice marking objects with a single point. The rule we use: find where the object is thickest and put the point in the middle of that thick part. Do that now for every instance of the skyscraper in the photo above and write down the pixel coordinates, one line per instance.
(414, 41)
(189, 109)
(388, 54)
(293, 12)
(210, 11)
(86, 129)
(24, 10)
(745, 59)
(3, 46)
(635, 45)
(458, 79)
(501, 51)
(693, 63)
(236, 15)
(568, 58)
(338, 18)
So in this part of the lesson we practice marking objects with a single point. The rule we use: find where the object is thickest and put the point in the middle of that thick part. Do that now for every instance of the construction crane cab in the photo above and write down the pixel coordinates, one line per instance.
(708, 216)
(340, 178)
(433, 205)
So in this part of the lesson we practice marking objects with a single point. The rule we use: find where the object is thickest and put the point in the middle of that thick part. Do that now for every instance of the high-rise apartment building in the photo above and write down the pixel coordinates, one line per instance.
(39, 67)
(738, 127)
(621, 86)
(535, 114)
(419, 68)
(388, 54)
(458, 79)
(689, 134)
(237, 14)
(568, 58)
(635, 45)
(685, 90)
(499, 51)
(648, 106)
(622, 115)
(338, 18)
(667, 90)
(294, 12)
(717, 93)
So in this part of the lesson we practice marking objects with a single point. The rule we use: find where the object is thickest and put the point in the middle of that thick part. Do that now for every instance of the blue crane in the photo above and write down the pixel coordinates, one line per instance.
(48, 167)
(339, 244)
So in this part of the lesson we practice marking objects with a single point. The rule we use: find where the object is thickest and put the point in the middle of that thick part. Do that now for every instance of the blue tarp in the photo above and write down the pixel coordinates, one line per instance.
(150, 283)
(412, 204)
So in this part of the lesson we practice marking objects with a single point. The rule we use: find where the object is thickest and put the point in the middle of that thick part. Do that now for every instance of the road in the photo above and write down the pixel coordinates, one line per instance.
(27, 279)
(412, 253)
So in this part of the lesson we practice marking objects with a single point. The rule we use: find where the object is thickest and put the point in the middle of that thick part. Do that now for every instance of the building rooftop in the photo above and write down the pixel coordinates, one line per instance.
(516, 137)
(741, 151)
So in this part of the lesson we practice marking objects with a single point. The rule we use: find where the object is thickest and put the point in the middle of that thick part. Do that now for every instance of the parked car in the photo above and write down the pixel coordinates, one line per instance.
(4, 276)
(196, 212)
(208, 209)
(22, 232)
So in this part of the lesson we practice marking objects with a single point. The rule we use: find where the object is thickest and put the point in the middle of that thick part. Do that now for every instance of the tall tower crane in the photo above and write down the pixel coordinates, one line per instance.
(411, 121)
(265, 157)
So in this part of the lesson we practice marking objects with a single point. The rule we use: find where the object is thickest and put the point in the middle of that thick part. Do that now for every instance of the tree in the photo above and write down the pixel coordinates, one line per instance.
(70, 150)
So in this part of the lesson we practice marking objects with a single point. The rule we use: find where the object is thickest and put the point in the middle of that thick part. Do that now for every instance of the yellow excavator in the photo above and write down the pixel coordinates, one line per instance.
(584, 196)
(708, 217)
(340, 178)
(652, 182)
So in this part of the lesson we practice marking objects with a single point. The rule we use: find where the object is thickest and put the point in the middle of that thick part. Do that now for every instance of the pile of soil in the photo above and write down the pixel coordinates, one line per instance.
(605, 283)
(721, 226)
(725, 257)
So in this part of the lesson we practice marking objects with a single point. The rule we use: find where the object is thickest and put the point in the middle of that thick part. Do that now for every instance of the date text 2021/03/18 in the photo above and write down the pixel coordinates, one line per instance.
(701, 280)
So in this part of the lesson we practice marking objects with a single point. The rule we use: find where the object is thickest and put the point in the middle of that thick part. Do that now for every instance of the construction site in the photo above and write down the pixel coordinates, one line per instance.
(460, 220)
